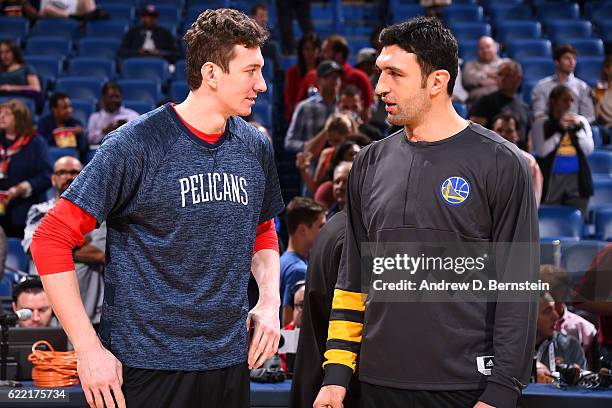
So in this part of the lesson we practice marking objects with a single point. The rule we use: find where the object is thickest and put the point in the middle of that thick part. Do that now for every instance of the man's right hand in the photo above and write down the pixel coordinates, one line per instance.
(100, 373)
(330, 396)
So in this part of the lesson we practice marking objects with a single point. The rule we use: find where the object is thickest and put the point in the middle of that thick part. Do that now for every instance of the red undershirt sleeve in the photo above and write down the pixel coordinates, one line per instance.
(61, 229)
(266, 237)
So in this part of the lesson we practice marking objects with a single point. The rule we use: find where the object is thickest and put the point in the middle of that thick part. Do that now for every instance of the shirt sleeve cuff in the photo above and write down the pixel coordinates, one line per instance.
(499, 396)
(337, 374)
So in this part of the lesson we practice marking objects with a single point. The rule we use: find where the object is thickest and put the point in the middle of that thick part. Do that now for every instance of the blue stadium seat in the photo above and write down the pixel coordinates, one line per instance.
(178, 90)
(405, 12)
(537, 68)
(82, 109)
(60, 27)
(48, 66)
(587, 47)
(577, 257)
(468, 50)
(462, 13)
(157, 3)
(119, 11)
(98, 47)
(13, 27)
(15, 257)
(589, 69)
(507, 12)
(106, 29)
(600, 163)
(262, 113)
(138, 106)
(560, 222)
(597, 142)
(602, 194)
(604, 30)
(470, 31)
(603, 224)
(145, 68)
(594, 10)
(194, 11)
(526, 88)
(146, 90)
(289, 61)
(548, 248)
(516, 30)
(180, 71)
(461, 109)
(80, 88)
(526, 48)
(54, 46)
(102, 68)
(560, 31)
(57, 152)
(557, 11)
(168, 14)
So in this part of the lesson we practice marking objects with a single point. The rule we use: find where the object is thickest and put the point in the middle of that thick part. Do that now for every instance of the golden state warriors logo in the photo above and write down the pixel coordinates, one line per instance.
(454, 190)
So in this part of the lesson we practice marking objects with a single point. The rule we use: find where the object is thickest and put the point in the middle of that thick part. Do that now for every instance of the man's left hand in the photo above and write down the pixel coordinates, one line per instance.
(481, 404)
(264, 322)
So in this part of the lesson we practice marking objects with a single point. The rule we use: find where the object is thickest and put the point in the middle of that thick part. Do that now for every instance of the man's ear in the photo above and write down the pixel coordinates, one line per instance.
(438, 81)
(209, 73)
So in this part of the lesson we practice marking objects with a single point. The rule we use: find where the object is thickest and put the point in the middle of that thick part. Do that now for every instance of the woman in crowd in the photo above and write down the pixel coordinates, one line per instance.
(309, 49)
(603, 100)
(15, 75)
(25, 167)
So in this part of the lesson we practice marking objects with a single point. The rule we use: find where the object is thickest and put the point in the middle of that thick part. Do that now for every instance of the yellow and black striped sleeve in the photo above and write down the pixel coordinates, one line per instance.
(348, 306)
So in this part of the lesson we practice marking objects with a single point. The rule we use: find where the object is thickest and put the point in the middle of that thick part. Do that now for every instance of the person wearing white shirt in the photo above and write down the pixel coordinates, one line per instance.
(111, 115)
(564, 58)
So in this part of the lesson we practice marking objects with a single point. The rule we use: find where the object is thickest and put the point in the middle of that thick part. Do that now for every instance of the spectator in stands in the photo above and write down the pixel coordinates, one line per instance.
(345, 152)
(480, 76)
(25, 167)
(18, 8)
(366, 62)
(297, 303)
(336, 48)
(603, 100)
(506, 125)
(310, 115)
(340, 182)
(15, 75)
(89, 257)
(148, 39)
(565, 349)
(304, 218)
(286, 11)
(60, 129)
(562, 140)
(65, 8)
(351, 102)
(30, 294)
(505, 99)
(592, 295)
(337, 128)
(111, 115)
(271, 49)
(434, 8)
(569, 323)
(309, 48)
(564, 57)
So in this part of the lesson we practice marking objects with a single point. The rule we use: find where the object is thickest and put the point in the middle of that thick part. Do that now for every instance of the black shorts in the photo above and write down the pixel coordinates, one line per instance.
(376, 396)
(227, 387)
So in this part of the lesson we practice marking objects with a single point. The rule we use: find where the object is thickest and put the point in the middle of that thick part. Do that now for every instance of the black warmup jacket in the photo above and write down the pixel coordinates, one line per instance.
(473, 187)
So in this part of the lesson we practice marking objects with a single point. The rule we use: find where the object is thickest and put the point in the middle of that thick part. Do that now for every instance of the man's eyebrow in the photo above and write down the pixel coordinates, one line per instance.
(391, 68)
(254, 65)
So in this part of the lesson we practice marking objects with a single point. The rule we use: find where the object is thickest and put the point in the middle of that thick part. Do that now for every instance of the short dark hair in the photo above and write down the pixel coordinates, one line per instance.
(302, 210)
(434, 45)
(558, 91)
(30, 285)
(212, 37)
(108, 85)
(506, 117)
(563, 49)
(339, 45)
(559, 280)
(56, 97)
(350, 90)
(258, 6)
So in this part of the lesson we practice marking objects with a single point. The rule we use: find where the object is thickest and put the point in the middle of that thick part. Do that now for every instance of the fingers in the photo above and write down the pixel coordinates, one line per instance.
(268, 346)
(108, 398)
(118, 395)
(119, 372)
(89, 397)
(99, 400)
(254, 346)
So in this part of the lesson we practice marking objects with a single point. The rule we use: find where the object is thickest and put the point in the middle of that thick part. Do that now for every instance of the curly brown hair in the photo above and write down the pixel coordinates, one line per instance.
(211, 38)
